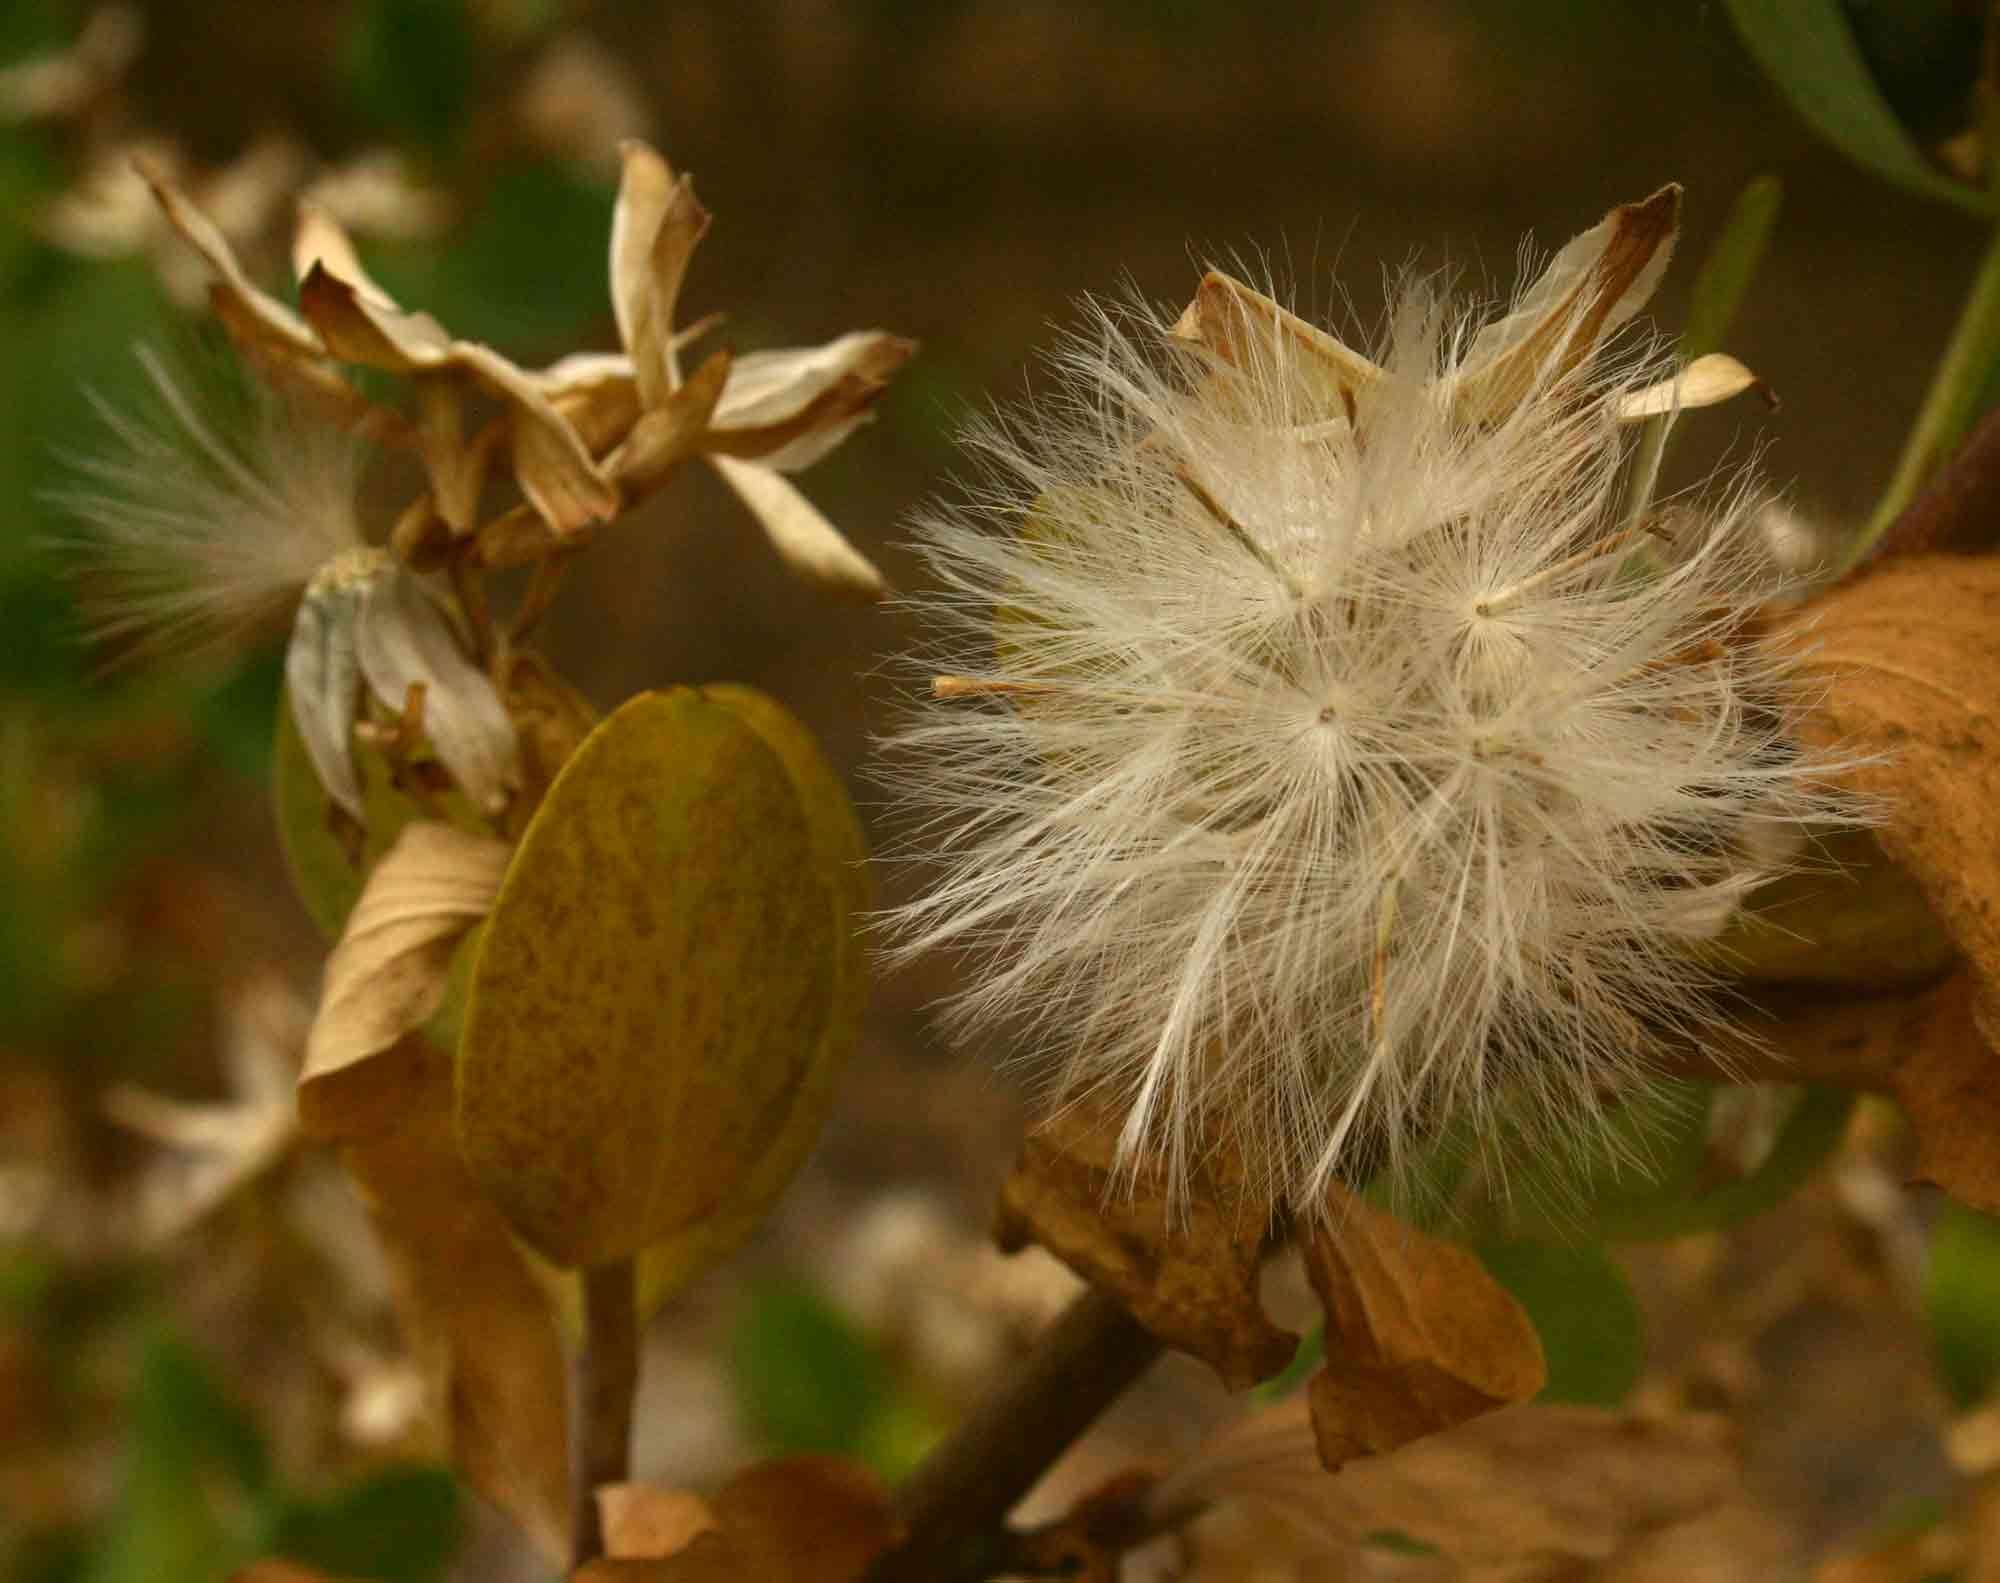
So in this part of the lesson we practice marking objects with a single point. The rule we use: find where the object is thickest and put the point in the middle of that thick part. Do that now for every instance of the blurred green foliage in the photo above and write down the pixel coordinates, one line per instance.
(407, 69)
(116, 778)
(199, 1497)
(1961, 1300)
(806, 1380)
(1583, 1309)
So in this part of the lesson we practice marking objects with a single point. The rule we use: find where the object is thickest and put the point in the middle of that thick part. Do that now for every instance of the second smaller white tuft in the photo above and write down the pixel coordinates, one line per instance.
(209, 512)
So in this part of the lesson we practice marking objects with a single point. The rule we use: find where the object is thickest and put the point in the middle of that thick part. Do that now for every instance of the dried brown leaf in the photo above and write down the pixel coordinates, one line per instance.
(801, 1520)
(1189, 1277)
(1418, 1336)
(651, 1520)
(1945, 1084)
(1909, 658)
(390, 970)
(1528, 1492)
(1851, 918)
(479, 1324)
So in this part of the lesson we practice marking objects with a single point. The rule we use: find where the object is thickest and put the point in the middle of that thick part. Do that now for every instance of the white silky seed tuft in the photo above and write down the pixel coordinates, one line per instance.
(1317, 774)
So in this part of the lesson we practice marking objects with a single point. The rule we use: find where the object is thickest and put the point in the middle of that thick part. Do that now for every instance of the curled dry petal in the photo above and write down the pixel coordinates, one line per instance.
(597, 394)
(655, 228)
(834, 384)
(275, 323)
(1718, 377)
(361, 324)
(1230, 319)
(1590, 288)
(402, 638)
(323, 676)
(803, 537)
(264, 330)
(389, 971)
(672, 431)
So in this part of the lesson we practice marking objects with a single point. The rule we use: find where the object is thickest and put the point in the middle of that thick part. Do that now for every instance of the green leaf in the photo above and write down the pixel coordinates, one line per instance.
(1730, 266)
(668, 987)
(401, 1525)
(1610, 1198)
(1807, 48)
(805, 1380)
(235, 715)
(1582, 1307)
(1961, 1300)
(169, 1521)
(1312, 1349)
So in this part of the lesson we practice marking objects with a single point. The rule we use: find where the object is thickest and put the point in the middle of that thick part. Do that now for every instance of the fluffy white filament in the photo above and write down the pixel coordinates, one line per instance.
(211, 509)
(208, 513)
(1315, 772)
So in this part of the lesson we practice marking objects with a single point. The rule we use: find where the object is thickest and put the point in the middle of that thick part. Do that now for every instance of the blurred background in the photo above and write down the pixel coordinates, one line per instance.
(197, 1361)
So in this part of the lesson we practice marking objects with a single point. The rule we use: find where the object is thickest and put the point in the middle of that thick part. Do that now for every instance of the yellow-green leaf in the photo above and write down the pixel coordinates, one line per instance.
(667, 986)
(839, 853)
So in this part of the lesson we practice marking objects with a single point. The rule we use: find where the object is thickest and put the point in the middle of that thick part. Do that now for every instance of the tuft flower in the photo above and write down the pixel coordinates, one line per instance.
(1334, 748)
(198, 519)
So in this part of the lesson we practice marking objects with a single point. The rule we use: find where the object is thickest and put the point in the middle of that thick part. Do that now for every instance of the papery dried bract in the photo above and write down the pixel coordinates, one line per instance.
(667, 985)
(364, 618)
(389, 970)
(777, 410)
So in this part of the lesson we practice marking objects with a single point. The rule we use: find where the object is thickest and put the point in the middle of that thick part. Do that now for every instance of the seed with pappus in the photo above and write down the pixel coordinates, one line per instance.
(200, 513)
(1336, 748)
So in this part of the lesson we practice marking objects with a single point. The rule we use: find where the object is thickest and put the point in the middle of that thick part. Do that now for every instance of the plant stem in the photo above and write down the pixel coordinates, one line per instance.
(954, 1507)
(1951, 403)
(604, 1378)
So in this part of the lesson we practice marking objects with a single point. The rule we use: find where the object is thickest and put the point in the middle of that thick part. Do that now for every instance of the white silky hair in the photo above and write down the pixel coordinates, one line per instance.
(1336, 773)
(222, 503)
(206, 507)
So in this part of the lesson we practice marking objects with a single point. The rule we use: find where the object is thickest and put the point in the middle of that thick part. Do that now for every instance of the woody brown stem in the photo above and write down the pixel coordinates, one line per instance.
(953, 1509)
(604, 1379)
